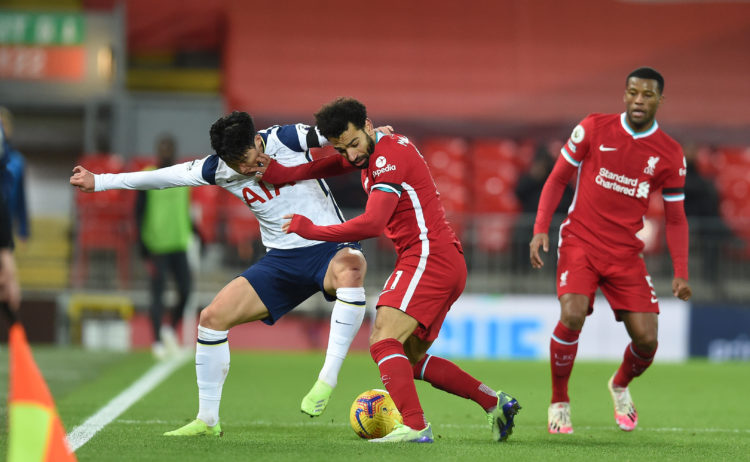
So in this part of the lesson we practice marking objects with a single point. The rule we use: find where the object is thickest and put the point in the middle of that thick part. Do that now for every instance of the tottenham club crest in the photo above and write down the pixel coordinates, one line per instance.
(651, 165)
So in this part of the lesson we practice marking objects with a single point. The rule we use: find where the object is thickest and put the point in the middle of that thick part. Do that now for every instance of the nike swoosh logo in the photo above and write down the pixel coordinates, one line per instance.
(562, 364)
(654, 299)
(344, 323)
(606, 148)
(231, 181)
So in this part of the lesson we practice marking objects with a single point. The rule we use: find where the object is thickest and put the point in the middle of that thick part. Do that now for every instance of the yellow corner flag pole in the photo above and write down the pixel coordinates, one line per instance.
(35, 431)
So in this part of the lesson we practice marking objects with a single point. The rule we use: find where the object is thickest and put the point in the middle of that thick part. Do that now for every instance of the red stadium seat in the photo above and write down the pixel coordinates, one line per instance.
(136, 164)
(204, 204)
(241, 227)
(104, 221)
(447, 157)
(652, 233)
(729, 158)
(494, 232)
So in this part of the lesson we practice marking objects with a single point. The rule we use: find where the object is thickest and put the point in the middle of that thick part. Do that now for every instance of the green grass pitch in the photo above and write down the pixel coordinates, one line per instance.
(692, 411)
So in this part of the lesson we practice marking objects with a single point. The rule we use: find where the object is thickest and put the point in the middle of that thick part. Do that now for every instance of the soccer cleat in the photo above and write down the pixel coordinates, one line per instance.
(159, 351)
(316, 400)
(558, 418)
(501, 418)
(403, 434)
(170, 340)
(626, 416)
(197, 428)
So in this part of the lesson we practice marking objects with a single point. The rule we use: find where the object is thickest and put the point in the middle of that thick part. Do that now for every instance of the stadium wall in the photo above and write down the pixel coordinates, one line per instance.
(494, 64)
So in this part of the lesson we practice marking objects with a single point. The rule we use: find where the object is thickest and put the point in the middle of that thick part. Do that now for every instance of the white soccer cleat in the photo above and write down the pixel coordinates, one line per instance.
(626, 416)
(558, 418)
(169, 338)
(159, 351)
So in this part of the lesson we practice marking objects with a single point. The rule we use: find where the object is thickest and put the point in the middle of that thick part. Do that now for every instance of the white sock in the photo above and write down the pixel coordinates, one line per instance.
(211, 368)
(346, 318)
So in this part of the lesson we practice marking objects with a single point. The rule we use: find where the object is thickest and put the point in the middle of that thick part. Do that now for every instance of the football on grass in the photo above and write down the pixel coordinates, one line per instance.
(373, 414)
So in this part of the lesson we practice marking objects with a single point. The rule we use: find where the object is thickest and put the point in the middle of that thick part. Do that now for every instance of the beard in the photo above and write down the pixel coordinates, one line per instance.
(638, 126)
(364, 158)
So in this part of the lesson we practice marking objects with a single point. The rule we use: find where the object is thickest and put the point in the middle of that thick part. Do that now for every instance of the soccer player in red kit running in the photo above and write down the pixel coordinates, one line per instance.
(620, 160)
(430, 271)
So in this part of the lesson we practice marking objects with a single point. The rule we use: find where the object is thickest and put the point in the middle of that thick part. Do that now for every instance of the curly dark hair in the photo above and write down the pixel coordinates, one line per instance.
(232, 135)
(647, 73)
(333, 118)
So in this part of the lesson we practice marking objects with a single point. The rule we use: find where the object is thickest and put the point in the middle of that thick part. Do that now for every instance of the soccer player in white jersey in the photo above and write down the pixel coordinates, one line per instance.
(292, 270)
(620, 160)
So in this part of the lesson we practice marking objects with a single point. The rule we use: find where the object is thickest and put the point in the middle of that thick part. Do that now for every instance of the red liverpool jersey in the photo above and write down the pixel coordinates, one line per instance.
(418, 224)
(618, 169)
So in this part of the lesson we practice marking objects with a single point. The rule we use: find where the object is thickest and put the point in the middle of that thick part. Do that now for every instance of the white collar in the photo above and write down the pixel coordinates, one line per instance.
(626, 127)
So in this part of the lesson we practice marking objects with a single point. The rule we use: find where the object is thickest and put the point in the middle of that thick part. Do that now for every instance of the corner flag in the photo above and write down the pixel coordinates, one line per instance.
(35, 431)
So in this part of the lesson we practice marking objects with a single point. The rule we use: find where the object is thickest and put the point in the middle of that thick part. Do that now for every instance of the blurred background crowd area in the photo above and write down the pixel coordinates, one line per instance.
(487, 90)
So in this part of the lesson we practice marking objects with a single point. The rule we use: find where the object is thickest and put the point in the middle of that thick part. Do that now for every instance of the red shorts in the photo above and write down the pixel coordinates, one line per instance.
(425, 288)
(625, 284)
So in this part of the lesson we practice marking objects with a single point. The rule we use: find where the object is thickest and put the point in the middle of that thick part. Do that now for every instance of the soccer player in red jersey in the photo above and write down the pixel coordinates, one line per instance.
(430, 271)
(620, 160)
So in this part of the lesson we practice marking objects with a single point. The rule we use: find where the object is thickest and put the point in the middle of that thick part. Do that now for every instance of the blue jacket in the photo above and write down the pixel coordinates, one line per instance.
(12, 172)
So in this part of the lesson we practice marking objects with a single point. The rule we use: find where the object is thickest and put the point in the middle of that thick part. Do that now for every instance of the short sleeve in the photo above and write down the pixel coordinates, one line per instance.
(574, 150)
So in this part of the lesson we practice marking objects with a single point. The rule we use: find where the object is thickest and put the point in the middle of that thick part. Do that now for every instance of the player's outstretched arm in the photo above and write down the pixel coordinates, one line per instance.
(379, 209)
(82, 179)
(275, 173)
(539, 240)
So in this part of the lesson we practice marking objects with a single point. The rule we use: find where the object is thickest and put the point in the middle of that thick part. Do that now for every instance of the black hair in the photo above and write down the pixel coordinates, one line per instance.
(333, 119)
(647, 73)
(232, 136)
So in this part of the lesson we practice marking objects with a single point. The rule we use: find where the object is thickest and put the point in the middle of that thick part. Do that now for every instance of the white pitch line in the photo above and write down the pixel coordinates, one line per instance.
(81, 434)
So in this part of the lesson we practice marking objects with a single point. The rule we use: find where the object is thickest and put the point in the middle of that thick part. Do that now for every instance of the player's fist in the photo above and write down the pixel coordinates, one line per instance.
(539, 240)
(681, 289)
(82, 179)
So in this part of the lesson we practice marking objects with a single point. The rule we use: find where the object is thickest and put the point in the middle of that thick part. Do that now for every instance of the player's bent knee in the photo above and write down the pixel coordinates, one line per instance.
(646, 344)
(347, 270)
(211, 318)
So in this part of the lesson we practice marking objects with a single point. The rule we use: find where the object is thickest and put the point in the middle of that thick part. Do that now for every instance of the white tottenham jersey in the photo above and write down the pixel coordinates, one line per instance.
(286, 144)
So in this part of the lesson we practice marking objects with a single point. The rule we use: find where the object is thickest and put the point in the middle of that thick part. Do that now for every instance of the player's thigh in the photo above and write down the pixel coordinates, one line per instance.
(425, 287)
(573, 310)
(236, 303)
(577, 280)
(392, 323)
(628, 287)
(346, 269)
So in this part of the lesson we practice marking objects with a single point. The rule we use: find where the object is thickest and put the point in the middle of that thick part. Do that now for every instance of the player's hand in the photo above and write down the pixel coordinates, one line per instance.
(540, 239)
(10, 290)
(286, 224)
(82, 179)
(681, 289)
(261, 164)
(385, 130)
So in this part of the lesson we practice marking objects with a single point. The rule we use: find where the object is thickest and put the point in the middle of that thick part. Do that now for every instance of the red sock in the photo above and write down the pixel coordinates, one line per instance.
(634, 363)
(396, 374)
(445, 375)
(562, 353)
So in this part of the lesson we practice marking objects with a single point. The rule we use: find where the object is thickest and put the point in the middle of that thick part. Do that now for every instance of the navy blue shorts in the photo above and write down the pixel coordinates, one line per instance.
(285, 278)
